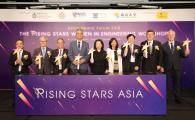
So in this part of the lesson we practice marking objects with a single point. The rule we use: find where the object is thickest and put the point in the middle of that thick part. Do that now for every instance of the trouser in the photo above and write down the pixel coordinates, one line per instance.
(173, 82)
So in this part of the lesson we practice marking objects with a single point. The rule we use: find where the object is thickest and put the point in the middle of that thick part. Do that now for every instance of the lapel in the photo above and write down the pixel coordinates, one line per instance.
(148, 49)
(23, 53)
(40, 51)
(168, 47)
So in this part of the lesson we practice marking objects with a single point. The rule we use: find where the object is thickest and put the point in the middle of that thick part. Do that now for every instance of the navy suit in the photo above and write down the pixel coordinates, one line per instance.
(172, 62)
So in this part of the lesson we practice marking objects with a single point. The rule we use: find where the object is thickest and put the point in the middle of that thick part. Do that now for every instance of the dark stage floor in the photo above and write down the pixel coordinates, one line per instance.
(175, 111)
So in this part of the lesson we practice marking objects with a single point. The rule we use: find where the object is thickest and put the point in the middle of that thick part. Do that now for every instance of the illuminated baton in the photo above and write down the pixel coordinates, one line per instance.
(58, 60)
(38, 58)
(186, 43)
(77, 58)
(126, 45)
(145, 50)
(91, 52)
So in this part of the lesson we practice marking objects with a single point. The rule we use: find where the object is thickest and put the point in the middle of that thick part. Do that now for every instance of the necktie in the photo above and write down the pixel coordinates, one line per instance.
(131, 49)
(150, 47)
(172, 48)
(79, 45)
(60, 52)
(20, 55)
(43, 51)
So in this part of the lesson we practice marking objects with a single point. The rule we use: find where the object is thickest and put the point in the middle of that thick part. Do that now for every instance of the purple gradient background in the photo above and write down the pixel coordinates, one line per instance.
(151, 104)
(9, 32)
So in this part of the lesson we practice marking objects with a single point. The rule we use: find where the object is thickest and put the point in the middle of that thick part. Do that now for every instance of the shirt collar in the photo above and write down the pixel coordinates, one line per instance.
(151, 41)
(173, 42)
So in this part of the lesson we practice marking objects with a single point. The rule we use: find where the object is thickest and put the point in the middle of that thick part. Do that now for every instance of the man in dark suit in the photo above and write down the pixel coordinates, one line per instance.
(59, 58)
(78, 54)
(151, 54)
(41, 57)
(130, 55)
(20, 59)
(173, 52)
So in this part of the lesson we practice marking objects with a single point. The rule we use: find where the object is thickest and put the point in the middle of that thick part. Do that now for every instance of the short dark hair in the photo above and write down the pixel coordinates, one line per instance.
(20, 40)
(150, 30)
(129, 35)
(99, 40)
(111, 40)
(60, 39)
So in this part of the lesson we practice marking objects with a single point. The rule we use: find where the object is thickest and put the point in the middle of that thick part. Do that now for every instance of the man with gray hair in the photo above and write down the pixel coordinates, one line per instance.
(173, 52)
(78, 54)
(41, 57)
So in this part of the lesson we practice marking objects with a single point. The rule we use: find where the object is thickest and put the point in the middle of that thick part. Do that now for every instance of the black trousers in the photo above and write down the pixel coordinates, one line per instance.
(173, 83)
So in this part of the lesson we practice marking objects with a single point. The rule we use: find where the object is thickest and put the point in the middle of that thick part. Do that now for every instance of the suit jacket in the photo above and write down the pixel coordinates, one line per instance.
(74, 51)
(64, 60)
(149, 65)
(27, 61)
(172, 61)
(126, 59)
(46, 66)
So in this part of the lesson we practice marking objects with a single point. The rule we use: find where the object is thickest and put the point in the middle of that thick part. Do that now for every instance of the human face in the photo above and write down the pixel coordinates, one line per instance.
(131, 40)
(150, 36)
(114, 44)
(60, 44)
(171, 36)
(98, 45)
(79, 35)
(43, 42)
(19, 45)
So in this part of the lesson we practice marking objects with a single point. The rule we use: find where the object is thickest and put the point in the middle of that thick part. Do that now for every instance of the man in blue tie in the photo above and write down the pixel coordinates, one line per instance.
(173, 52)
(41, 58)
(78, 54)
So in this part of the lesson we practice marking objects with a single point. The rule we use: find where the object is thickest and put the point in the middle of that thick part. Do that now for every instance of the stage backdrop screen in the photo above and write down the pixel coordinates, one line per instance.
(97, 24)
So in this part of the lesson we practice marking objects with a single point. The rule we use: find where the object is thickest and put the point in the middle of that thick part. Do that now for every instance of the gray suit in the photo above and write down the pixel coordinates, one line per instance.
(46, 66)
(74, 51)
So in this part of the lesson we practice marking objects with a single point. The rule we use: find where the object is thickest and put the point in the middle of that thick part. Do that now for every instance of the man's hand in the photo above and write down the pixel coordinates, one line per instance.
(81, 61)
(92, 61)
(162, 70)
(158, 67)
(187, 52)
(75, 62)
(65, 72)
(18, 61)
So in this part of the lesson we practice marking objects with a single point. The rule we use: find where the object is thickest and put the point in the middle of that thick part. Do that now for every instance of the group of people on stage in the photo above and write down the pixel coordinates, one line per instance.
(150, 57)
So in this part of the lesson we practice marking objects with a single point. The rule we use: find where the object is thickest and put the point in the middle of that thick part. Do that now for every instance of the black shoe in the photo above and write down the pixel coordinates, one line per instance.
(178, 101)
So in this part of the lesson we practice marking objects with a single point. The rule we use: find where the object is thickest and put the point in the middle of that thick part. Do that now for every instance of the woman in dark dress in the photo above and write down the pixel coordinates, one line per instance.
(98, 62)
